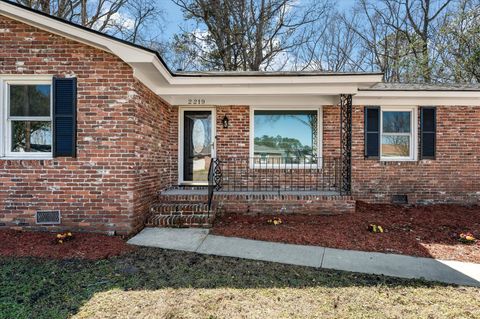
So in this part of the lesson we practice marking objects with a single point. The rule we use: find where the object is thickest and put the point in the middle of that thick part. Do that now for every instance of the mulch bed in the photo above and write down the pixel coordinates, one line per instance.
(41, 244)
(425, 231)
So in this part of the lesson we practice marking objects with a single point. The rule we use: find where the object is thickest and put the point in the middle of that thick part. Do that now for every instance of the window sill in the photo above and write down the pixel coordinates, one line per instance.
(397, 160)
(26, 158)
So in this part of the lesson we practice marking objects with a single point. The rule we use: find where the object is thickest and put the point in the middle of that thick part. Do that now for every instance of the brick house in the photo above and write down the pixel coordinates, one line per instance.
(97, 134)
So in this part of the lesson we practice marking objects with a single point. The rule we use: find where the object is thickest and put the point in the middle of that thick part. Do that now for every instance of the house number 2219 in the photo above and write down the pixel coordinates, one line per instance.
(196, 101)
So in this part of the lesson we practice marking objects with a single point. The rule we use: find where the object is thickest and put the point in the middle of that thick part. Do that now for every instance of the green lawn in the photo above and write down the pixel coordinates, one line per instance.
(155, 283)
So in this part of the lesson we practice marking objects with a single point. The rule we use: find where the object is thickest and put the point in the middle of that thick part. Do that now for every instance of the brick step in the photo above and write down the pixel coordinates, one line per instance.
(177, 214)
(183, 199)
(181, 208)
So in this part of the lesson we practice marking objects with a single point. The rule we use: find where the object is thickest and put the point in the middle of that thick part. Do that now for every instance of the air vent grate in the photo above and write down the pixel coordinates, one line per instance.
(48, 217)
(399, 199)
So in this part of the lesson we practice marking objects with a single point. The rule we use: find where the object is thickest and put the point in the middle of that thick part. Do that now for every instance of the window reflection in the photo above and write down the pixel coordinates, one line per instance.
(395, 146)
(285, 137)
(29, 100)
(31, 136)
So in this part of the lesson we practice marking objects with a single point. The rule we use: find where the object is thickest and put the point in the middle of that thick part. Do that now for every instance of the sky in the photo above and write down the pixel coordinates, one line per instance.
(174, 17)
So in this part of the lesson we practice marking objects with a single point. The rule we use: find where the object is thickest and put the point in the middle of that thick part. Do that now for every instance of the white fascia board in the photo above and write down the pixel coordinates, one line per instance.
(414, 94)
(467, 98)
(365, 79)
(421, 101)
(198, 91)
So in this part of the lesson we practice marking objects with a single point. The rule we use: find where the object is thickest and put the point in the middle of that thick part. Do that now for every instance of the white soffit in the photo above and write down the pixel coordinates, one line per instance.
(255, 100)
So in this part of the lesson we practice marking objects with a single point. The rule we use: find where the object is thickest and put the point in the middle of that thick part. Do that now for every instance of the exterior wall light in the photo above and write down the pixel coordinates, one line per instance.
(225, 121)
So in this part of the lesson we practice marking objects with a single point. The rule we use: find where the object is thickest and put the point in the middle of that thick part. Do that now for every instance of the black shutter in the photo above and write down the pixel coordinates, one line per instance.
(64, 117)
(428, 129)
(372, 132)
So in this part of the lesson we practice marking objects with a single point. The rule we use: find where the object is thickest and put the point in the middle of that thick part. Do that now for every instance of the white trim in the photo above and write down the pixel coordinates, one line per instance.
(418, 94)
(333, 80)
(395, 98)
(319, 110)
(6, 120)
(413, 132)
(181, 110)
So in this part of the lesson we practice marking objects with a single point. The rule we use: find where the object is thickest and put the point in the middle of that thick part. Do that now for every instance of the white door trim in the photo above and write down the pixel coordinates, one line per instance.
(181, 111)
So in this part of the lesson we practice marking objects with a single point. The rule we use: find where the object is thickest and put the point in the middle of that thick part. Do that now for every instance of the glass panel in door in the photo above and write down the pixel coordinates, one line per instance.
(197, 146)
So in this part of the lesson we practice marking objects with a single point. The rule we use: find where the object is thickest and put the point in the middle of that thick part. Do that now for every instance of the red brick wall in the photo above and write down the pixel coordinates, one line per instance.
(265, 203)
(108, 185)
(331, 131)
(173, 133)
(454, 176)
(234, 140)
(153, 151)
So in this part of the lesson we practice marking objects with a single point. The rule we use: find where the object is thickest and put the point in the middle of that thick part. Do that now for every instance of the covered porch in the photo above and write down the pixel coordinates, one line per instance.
(226, 163)
(240, 183)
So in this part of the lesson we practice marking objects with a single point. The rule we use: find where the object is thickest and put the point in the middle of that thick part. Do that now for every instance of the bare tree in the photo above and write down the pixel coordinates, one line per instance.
(458, 44)
(247, 34)
(380, 45)
(133, 20)
(400, 36)
(334, 47)
(420, 15)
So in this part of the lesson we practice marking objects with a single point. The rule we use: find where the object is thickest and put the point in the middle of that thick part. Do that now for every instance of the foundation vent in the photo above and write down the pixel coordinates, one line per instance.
(47, 218)
(400, 199)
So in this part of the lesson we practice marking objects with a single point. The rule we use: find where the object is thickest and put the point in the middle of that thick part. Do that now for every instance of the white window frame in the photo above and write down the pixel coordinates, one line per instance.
(319, 110)
(6, 120)
(413, 133)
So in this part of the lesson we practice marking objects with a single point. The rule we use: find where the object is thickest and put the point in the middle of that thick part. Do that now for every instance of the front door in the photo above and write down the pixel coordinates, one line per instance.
(198, 143)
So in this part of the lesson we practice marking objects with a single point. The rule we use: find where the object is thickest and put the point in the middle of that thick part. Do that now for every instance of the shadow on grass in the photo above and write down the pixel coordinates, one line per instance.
(41, 288)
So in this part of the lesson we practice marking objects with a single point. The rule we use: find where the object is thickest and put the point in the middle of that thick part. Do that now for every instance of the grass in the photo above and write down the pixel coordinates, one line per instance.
(155, 283)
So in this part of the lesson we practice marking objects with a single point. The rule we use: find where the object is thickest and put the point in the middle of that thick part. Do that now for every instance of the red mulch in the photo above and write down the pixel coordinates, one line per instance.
(41, 244)
(426, 231)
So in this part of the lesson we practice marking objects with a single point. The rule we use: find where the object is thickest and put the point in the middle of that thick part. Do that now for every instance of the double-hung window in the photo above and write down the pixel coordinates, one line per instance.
(284, 137)
(27, 119)
(398, 139)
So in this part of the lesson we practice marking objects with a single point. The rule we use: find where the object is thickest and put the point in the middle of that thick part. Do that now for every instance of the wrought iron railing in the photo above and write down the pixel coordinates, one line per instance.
(250, 174)
(211, 183)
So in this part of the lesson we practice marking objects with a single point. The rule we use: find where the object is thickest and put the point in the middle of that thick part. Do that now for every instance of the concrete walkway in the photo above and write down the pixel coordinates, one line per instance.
(199, 241)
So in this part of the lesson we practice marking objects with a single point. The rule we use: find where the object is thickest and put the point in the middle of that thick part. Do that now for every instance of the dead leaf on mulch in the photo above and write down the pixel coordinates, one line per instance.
(424, 231)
